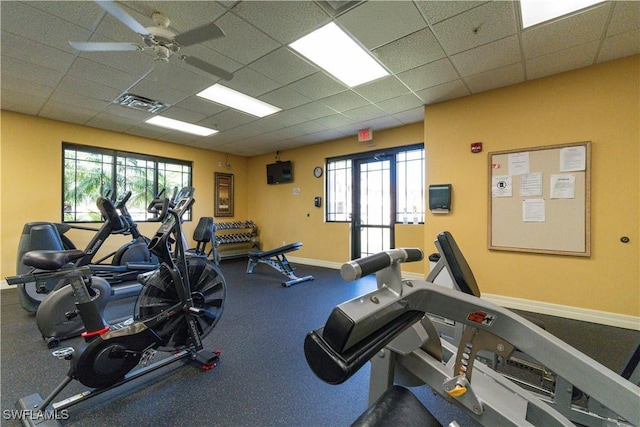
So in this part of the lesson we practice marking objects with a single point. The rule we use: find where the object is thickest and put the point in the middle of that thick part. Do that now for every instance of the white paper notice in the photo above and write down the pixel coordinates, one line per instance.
(573, 159)
(518, 163)
(531, 184)
(533, 210)
(501, 186)
(563, 186)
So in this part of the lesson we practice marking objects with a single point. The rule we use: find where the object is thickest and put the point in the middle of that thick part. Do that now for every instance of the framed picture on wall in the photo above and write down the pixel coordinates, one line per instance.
(223, 197)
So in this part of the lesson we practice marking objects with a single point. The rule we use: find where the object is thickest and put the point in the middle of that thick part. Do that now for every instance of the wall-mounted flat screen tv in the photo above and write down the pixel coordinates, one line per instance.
(279, 172)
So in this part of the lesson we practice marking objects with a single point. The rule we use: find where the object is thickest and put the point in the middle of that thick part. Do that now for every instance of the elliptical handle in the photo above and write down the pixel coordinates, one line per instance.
(123, 202)
(158, 207)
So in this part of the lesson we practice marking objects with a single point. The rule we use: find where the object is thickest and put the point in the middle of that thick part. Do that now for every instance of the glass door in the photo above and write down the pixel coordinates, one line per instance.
(373, 205)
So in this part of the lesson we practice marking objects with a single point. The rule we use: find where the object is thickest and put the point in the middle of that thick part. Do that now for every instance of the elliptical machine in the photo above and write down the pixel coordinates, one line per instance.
(126, 263)
(180, 304)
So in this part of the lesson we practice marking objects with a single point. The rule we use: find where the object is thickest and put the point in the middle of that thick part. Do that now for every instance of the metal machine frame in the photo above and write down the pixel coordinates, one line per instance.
(388, 326)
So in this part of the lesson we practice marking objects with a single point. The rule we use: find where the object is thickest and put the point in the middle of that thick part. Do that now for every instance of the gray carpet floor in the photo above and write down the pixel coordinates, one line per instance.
(262, 378)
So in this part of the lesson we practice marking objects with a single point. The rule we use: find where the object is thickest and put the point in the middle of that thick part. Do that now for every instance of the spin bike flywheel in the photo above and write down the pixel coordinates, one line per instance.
(208, 290)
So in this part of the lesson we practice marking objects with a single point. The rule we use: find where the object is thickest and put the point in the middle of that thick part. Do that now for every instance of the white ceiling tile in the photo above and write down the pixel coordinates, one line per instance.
(30, 72)
(411, 51)
(284, 21)
(429, 75)
(178, 113)
(620, 46)
(334, 121)
(381, 89)
(158, 91)
(317, 86)
(22, 19)
(243, 42)
(558, 62)
(436, 11)
(84, 14)
(443, 92)
(493, 79)
(376, 23)
(410, 116)
(64, 96)
(111, 122)
(201, 105)
(487, 57)
(481, 25)
(251, 83)
(401, 103)
(313, 110)
(115, 110)
(284, 98)
(67, 113)
(283, 66)
(229, 119)
(344, 101)
(20, 103)
(96, 72)
(28, 88)
(184, 15)
(34, 52)
(364, 113)
(572, 31)
(626, 17)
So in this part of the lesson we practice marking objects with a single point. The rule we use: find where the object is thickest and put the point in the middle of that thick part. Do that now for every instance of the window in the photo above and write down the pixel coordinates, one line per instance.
(90, 172)
(410, 179)
(339, 190)
(410, 185)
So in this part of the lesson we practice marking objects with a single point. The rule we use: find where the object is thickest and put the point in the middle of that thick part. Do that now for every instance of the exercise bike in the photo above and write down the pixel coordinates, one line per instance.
(180, 304)
(126, 263)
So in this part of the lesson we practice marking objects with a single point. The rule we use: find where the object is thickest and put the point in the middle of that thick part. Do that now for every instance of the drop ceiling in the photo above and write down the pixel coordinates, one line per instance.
(433, 50)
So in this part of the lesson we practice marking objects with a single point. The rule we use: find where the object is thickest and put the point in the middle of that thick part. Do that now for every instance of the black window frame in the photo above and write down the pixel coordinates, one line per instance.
(111, 186)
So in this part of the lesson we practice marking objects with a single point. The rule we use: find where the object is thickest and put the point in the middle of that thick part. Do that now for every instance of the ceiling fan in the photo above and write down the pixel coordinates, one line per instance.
(159, 38)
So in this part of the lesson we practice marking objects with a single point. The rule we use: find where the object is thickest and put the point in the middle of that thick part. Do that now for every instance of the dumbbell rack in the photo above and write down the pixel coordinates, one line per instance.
(234, 239)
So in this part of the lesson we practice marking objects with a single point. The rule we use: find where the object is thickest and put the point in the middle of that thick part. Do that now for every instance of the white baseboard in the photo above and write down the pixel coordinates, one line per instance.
(565, 311)
(568, 312)
(576, 313)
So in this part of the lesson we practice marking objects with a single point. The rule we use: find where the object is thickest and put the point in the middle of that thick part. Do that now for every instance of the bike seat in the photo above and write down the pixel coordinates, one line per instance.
(51, 260)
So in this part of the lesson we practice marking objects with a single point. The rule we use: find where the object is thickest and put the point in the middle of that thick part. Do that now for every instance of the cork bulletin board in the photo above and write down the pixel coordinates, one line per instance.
(539, 199)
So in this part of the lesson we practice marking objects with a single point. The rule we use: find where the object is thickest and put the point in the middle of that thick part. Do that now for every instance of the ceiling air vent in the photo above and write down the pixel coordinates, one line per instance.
(141, 103)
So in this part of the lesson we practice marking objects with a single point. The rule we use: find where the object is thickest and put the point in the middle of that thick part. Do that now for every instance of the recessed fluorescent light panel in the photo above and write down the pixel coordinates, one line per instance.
(168, 123)
(537, 11)
(333, 50)
(234, 99)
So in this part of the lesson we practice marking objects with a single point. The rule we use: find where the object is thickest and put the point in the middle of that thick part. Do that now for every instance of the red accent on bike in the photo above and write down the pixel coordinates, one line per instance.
(86, 335)
(208, 367)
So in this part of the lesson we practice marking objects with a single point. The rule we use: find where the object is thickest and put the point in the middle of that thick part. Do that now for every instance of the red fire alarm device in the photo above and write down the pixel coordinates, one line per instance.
(476, 147)
(365, 135)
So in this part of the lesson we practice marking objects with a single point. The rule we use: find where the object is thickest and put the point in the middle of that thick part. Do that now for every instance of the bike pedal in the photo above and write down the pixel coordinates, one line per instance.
(64, 353)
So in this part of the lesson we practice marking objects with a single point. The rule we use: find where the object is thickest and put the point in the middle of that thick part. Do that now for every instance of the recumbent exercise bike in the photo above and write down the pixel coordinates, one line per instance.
(180, 304)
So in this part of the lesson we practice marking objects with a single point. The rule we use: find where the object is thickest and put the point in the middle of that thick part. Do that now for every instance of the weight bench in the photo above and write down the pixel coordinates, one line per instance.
(276, 258)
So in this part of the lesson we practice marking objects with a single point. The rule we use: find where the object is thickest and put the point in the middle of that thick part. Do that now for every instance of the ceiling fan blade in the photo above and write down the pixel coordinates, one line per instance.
(205, 66)
(199, 35)
(122, 16)
(104, 47)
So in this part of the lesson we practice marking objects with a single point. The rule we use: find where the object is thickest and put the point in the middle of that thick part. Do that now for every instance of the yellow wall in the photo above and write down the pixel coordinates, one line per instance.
(31, 177)
(598, 104)
(284, 217)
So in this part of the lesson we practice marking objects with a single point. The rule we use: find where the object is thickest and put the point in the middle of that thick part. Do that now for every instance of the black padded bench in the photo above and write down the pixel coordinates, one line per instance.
(276, 258)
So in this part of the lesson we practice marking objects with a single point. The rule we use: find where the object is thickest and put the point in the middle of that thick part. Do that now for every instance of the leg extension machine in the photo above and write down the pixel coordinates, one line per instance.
(276, 258)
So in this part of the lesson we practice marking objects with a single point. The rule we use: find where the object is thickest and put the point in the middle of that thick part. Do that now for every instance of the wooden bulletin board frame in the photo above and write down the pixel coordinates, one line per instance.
(540, 199)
